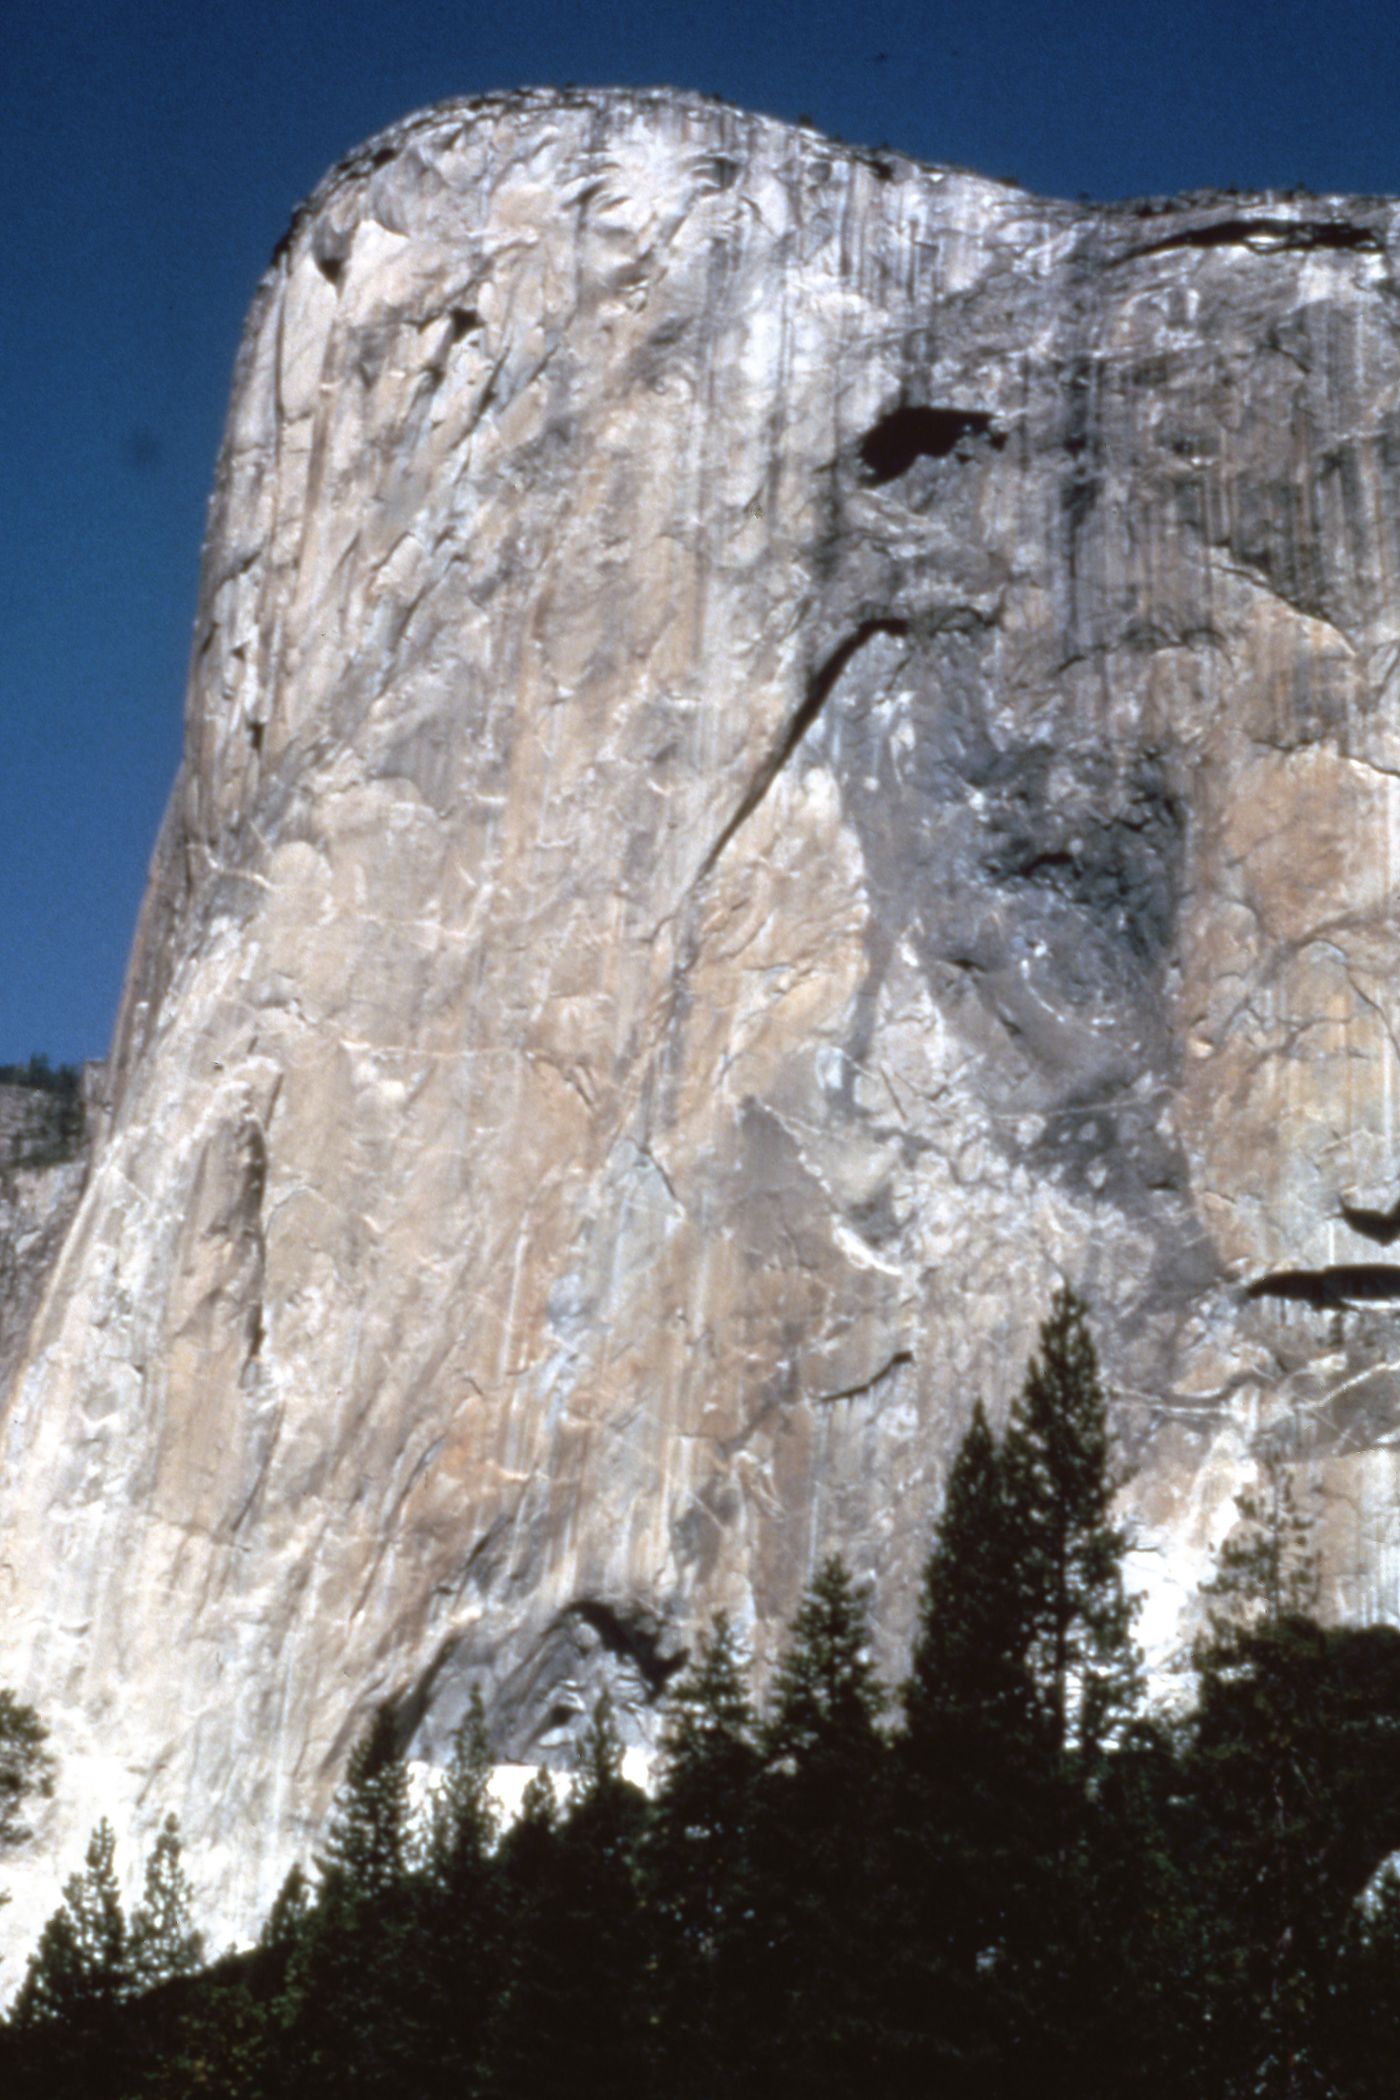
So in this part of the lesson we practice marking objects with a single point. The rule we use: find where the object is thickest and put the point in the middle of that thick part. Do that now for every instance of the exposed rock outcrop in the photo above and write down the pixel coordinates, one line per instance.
(784, 748)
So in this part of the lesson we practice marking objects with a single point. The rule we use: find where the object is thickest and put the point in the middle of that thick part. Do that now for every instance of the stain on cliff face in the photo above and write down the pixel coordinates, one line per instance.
(1041, 879)
(1093, 856)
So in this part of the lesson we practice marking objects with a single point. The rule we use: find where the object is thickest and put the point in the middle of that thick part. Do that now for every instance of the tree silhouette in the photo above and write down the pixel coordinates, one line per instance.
(1061, 1489)
(163, 1941)
(699, 1869)
(819, 1872)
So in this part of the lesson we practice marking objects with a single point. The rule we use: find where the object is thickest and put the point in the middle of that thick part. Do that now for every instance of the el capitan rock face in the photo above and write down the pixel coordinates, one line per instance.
(784, 749)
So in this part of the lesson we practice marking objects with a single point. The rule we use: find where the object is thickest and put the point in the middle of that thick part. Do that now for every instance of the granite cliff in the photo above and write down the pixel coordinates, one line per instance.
(784, 748)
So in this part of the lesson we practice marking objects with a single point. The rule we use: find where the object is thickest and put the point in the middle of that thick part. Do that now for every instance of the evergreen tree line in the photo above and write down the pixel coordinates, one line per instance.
(1011, 1876)
(61, 1125)
(42, 1077)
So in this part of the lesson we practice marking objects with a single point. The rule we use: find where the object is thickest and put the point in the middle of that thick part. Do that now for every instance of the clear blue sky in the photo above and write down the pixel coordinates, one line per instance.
(151, 155)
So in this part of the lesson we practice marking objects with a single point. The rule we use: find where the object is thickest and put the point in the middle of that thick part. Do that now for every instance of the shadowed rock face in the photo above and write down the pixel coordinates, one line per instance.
(784, 749)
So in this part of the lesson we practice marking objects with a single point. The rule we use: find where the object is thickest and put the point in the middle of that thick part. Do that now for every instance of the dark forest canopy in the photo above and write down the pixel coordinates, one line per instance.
(1008, 1877)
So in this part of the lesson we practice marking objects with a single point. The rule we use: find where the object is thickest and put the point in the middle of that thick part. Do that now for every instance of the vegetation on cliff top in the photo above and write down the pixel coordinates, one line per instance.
(51, 1129)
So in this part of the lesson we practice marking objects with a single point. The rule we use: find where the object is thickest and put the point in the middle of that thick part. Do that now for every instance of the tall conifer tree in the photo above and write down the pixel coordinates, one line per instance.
(969, 1676)
(1086, 1670)
(699, 1870)
(463, 1820)
(460, 1912)
(366, 1857)
(164, 1942)
(1061, 1485)
(353, 2027)
(820, 1879)
(81, 1970)
(574, 2017)
(970, 1801)
(79, 1979)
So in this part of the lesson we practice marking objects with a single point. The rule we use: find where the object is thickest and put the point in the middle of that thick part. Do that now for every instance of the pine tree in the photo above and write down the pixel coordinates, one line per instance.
(608, 2031)
(969, 1672)
(286, 1923)
(350, 2003)
(700, 1827)
(366, 1857)
(463, 1820)
(459, 1912)
(164, 1942)
(826, 1703)
(535, 1828)
(970, 1802)
(574, 2016)
(1061, 1488)
(1068, 1986)
(81, 1970)
(524, 2047)
(78, 1980)
(1267, 1569)
(1263, 1743)
(820, 1879)
(26, 1766)
(699, 1869)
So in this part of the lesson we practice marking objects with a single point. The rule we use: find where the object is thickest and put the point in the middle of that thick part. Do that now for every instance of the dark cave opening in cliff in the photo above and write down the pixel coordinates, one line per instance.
(891, 446)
